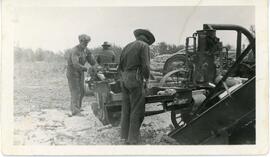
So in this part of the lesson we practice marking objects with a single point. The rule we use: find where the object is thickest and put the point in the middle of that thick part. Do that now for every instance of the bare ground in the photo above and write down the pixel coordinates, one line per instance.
(41, 104)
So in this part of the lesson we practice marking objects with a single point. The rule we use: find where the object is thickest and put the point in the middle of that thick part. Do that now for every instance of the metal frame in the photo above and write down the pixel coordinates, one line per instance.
(240, 30)
(239, 59)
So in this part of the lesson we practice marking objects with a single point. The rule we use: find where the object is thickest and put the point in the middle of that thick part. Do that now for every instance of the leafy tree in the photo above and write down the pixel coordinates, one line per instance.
(28, 55)
(164, 48)
(22, 55)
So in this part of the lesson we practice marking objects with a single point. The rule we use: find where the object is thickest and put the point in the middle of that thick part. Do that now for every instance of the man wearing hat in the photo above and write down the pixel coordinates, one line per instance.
(76, 59)
(106, 55)
(135, 70)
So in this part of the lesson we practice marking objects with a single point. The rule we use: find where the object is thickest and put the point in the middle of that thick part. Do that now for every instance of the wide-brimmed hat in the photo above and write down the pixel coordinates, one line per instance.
(84, 37)
(146, 33)
(106, 44)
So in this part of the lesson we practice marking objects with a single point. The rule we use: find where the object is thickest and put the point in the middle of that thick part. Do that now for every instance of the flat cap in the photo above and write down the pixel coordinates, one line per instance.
(84, 37)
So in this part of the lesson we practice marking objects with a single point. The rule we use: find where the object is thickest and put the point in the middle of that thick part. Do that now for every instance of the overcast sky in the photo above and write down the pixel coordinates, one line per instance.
(57, 28)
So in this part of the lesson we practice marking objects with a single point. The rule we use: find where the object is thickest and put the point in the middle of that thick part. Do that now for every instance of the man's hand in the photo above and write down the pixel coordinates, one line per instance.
(95, 68)
(92, 71)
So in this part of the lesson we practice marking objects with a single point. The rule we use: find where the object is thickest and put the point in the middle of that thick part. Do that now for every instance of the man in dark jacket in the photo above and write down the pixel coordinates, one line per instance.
(134, 67)
(106, 55)
(76, 58)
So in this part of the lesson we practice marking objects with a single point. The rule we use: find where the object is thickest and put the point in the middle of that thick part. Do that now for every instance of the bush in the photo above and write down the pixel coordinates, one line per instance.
(28, 55)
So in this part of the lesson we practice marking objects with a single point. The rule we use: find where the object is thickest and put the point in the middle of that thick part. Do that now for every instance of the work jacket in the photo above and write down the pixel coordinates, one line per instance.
(136, 57)
(76, 59)
(106, 56)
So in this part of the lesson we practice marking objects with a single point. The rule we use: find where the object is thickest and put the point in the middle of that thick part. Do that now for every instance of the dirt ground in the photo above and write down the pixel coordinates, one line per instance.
(41, 104)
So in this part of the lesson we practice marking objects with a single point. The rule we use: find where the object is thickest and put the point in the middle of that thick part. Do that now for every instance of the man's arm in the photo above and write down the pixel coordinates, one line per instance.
(75, 62)
(145, 58)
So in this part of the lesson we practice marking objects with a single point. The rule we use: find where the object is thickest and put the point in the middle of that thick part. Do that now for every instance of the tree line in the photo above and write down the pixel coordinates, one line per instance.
(29, 55)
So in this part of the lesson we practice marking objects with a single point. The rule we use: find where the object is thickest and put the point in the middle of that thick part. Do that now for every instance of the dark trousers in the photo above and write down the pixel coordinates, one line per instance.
(133, 107)
(76, 88)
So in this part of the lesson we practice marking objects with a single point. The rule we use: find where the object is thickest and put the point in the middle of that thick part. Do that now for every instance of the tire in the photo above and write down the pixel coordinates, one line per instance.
(180, 118)
(173, 59)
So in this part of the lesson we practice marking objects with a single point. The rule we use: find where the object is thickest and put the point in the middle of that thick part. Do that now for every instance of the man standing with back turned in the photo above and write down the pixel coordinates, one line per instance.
(106, 55)
(76, 58)
(134, 67)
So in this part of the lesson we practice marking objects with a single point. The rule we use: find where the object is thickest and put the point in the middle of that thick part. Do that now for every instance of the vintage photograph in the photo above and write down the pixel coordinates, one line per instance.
(134, 75)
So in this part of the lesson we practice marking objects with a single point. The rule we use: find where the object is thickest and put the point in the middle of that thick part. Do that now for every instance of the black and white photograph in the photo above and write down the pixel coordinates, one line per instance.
(135, 75)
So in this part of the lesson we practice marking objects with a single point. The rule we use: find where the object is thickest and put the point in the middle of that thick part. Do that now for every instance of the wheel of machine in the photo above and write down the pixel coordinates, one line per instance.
(246, 70)
(180, 118)
(175, 78)
(173, 63)
(176, 118)
(175, 71)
